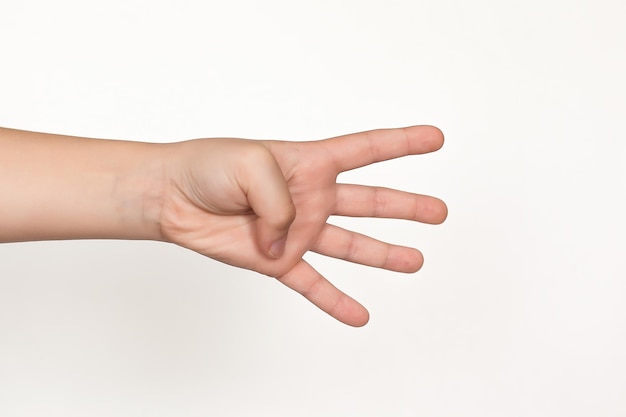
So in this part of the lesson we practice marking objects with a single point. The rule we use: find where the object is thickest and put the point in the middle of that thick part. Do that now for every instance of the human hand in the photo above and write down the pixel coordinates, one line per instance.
(261, 205)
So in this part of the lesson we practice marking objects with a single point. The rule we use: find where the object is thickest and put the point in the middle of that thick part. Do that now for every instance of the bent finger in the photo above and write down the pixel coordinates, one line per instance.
(269, 198)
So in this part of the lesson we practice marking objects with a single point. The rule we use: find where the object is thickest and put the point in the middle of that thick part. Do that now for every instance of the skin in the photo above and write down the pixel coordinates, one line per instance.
(259, 205)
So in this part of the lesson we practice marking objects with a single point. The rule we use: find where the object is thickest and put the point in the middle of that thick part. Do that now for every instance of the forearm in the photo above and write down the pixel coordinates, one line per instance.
(61, 187)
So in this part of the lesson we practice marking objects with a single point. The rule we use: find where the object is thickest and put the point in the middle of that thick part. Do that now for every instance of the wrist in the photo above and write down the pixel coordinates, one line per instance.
(142, 189)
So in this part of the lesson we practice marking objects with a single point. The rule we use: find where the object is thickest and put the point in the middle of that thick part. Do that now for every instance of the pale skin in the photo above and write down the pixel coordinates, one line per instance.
(254, 204)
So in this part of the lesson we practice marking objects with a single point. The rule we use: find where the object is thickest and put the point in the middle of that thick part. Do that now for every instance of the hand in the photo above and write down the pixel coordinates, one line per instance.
(262, 205)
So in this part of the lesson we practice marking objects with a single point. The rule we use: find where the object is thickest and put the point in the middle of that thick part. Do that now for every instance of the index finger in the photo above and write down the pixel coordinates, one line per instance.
(360, 149)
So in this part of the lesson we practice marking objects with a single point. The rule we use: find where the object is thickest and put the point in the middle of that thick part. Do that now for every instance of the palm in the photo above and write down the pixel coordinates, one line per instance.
(224, 228)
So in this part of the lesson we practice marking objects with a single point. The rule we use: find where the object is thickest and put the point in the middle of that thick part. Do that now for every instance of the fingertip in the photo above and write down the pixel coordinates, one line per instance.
(424, 138)
(437, 137)
(419, 263)
(351, 312)
(277, 248)
(361, 321)
(404, 259)
(441, 211)
(415, 264)
(431, 210)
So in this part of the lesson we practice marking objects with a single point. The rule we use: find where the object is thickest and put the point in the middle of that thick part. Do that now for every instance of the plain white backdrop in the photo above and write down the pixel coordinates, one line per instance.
(520, 307)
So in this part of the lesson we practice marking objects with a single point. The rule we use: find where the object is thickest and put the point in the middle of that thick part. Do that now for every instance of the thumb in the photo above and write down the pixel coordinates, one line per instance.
(269, 197)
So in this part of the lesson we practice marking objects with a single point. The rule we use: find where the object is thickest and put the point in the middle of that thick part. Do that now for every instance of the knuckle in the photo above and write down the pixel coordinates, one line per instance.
(283, 217)
(380, 202)
(253, 155)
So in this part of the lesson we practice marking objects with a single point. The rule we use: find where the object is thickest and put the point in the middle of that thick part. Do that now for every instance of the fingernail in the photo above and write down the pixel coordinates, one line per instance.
(278, 248)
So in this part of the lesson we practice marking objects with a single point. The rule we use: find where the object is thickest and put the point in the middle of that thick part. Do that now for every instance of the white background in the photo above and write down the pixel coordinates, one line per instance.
(520, 307)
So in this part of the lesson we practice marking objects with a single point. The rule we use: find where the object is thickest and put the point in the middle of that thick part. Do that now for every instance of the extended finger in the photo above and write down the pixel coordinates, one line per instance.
(314, 287)
(354, 247)
(360, 149)
(366, 201)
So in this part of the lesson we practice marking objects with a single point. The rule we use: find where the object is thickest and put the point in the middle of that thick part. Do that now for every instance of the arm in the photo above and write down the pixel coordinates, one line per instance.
(61, 187)
(258, 205)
